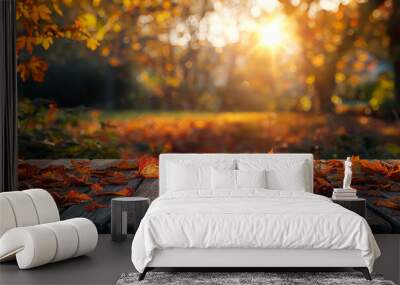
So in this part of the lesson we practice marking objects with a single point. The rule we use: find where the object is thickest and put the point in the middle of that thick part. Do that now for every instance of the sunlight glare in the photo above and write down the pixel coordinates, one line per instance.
(272, 33)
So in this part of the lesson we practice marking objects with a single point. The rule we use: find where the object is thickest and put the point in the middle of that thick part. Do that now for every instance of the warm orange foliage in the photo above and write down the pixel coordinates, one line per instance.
(117, 178)
(82, 167)
(55, 178)
(125, 192)
(224, 132)
(41, 25)
(73, 196)
(93, 206)
(96, 187)
(35, 67)
(76, 180)
(387, 203)
(394, 173)
(373, 166)
(148, 166)
(125, 165)
(27, 171)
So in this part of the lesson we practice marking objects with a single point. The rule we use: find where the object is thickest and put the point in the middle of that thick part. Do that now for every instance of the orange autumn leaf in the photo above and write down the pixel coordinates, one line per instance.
(126, 165)
(35, 67)
(148, 166)
(83, 167)
(374, 166)
(40, 12)
(124, 192)
(74, 196)
(27, 171)
(26, 42)
(93, 206)
(54, 168)
(77, 181)
(394, 173)
(387, 203)
(321, 182)
(116, 179)
(336, 164)
(50, 176)
(96, 187)
(327, 169)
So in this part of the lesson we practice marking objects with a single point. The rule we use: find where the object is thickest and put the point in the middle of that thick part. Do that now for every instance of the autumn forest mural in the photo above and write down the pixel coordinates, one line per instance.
(105, 86)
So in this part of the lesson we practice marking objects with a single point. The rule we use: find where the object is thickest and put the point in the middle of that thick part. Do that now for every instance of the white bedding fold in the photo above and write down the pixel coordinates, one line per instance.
(250, 219)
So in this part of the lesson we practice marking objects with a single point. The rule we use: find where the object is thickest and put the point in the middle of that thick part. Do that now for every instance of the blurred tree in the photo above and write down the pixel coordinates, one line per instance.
(158, 44)
(394, 34)
(325, 37)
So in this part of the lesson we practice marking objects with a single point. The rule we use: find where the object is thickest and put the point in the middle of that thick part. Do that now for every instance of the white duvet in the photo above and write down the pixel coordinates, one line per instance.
(251, 218)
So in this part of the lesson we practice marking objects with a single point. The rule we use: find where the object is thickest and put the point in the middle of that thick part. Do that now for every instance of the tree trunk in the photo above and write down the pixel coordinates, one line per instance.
(324, 86)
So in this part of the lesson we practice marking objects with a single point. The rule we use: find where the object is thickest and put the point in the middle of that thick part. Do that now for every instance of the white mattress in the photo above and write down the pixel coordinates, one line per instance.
(252, 219)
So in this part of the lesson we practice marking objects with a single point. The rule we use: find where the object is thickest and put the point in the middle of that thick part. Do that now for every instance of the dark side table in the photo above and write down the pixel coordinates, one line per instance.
(357, 205)
(121, 208)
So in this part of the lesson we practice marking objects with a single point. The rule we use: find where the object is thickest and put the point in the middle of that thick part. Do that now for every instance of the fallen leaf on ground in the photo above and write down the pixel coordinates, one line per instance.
(76, 180)
(387, 203)
(27, 171)
(124, 192)
(82, 167)
(374, 166)
(126, 165)
(96, 187)
(117, 178)
(148, 166)
(74, 196)
(93, 206)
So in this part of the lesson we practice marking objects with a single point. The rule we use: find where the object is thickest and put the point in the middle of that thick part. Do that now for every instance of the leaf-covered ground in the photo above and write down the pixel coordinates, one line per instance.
(378, 181)
(49, 132)
(325, 136)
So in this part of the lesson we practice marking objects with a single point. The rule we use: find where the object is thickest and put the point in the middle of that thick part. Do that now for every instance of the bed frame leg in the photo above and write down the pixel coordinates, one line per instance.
(143, 274)
(364, 271)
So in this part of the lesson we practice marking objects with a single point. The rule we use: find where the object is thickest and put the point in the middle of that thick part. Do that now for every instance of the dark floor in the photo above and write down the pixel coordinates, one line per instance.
(110, 259)
(103, 266)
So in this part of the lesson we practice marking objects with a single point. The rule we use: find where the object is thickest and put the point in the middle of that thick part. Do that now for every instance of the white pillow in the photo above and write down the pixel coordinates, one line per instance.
(251, 178)
(223, 179)
(194, 174)
(183, 178)
(282, 174)
(227, 179)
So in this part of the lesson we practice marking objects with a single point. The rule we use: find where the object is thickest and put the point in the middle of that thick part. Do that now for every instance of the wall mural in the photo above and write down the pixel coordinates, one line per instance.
(85, 187)
(105, 86)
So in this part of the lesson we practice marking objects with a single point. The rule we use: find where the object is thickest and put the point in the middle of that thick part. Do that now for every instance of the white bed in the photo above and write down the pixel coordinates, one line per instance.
(248, 227)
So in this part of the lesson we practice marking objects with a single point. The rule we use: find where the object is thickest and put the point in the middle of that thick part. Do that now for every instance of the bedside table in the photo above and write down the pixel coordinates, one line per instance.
(357, 205)
(135, 207)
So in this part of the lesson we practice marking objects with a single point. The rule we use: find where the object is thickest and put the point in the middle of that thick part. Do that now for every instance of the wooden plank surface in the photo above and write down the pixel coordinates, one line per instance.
(369, 178)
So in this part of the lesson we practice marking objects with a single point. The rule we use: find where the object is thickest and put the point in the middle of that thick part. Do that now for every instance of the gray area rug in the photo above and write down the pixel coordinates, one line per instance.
(273, 278)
